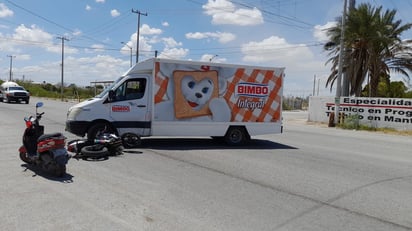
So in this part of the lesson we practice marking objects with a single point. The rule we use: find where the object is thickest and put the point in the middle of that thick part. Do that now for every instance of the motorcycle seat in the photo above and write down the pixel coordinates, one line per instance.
(50, 135)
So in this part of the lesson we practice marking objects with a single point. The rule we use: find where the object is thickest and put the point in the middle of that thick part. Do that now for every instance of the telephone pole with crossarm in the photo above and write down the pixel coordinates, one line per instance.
(138, 31)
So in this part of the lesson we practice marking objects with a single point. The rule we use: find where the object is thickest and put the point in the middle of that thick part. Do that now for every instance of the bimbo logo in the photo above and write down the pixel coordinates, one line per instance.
(252, 90)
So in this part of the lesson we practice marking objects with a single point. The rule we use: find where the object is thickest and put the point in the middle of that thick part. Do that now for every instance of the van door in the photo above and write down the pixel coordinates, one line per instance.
(130, 108)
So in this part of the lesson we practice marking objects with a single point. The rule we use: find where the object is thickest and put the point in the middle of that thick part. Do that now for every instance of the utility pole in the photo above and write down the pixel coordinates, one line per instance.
(62, 65)
(314, 85)
(11, 66)
(138, 31)
(131, 52)
(345, 77)
(339, 78)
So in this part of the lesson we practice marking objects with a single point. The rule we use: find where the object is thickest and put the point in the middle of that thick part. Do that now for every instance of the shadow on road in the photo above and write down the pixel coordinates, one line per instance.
(37, 171)
(206, 144)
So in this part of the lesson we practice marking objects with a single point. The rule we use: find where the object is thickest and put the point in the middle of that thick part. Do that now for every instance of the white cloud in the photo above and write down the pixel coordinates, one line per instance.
(196, 35)
(222, 37)
(114, 13)
(77, 32)
(5, 11)
(88, 8)
(100, 1)
(97, 47)
(319, 31)
(23, 57)
(165, 24)
(275, 49)
(300, 63)
(147, 30)
(218, 7)
(145, 47)
(32, 33)
(225, 12)
(171, 42)
(174, 53)
(80, 71)
(171, 47)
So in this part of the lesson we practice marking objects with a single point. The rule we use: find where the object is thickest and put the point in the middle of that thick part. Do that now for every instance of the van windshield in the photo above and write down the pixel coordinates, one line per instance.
(110, 87)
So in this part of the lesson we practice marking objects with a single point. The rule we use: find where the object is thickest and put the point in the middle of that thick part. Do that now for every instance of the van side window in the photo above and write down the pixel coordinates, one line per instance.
(131, 89)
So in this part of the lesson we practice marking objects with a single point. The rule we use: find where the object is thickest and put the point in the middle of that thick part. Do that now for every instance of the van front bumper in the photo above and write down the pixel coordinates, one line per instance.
(78, 128)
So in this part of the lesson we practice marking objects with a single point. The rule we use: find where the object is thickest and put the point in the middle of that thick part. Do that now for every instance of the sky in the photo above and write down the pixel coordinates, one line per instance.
(96, 39)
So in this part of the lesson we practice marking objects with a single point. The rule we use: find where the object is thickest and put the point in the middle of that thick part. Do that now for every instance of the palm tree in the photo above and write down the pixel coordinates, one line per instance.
(373, 48)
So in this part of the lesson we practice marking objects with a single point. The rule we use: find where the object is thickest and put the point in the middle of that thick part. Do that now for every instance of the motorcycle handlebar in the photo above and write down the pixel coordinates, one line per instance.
(38, 116)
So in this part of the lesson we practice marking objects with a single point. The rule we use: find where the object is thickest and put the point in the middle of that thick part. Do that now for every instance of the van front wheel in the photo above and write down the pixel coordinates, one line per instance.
(99, 128)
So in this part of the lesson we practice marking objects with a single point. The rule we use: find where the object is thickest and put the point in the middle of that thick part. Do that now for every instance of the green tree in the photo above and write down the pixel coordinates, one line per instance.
(373, 48)
(395, 89)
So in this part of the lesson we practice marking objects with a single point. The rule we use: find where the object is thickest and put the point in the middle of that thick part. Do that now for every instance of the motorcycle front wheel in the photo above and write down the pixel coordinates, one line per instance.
(25, 158)
(95, 151)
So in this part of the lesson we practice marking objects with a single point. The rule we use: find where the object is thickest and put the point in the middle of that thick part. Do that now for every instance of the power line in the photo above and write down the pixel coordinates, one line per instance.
(39, 16)
(109, 25)
(288, 21)
(52, 22)
(294, 20)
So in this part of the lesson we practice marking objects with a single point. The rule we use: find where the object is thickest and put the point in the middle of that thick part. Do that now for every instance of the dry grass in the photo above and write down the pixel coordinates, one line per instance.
(390, 131)
(395, 132)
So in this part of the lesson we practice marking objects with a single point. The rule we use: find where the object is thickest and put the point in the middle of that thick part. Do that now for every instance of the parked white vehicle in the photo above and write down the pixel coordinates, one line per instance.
(160, 97)
(11, 91)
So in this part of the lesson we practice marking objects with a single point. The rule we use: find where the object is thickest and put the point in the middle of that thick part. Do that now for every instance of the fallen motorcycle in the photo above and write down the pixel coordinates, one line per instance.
(45, 150)
(105, 144)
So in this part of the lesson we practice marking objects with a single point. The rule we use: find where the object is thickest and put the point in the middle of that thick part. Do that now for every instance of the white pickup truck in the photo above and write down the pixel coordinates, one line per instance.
(11, 91)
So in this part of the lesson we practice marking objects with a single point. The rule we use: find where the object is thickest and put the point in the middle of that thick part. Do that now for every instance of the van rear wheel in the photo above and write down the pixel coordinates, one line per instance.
(236, 136)
(131, 140)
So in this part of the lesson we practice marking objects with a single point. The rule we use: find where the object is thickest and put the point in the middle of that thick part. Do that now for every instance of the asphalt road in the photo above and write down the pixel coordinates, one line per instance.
(309, 178)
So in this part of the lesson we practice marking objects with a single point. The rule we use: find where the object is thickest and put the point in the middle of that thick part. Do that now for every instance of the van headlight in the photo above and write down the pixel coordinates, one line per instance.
(73, 113)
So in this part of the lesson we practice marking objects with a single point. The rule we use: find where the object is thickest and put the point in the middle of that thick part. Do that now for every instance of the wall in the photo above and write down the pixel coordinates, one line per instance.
(376, 112)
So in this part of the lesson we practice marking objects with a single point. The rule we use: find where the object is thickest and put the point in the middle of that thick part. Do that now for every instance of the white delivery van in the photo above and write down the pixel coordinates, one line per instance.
(162, 97)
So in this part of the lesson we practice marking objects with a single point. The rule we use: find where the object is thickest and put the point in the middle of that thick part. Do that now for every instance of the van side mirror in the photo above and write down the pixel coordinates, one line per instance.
(112, 96)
